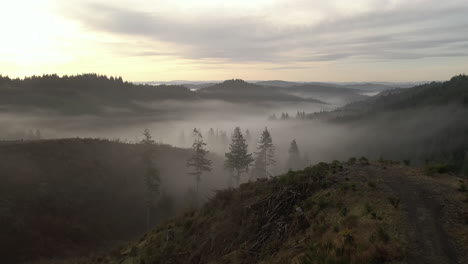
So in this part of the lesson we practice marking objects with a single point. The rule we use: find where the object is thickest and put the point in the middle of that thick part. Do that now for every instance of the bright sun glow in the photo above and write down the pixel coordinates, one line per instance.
(208, 39)
(34, 36)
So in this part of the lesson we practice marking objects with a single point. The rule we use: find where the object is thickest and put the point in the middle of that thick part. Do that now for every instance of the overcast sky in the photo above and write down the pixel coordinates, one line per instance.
(303, 40)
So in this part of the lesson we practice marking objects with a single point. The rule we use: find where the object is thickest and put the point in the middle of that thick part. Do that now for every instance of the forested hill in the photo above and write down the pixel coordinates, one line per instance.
(65, 197)
(80, 94)
(426, 124)
(98, 94)
(436, 94)
(240, 91)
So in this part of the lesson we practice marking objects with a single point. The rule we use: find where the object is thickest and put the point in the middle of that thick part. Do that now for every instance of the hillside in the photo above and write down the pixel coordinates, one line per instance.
(372, 87)
(66, 197)
(453, 92)
(241, 91)
(328, 93)
(102, 95)
(352, 212)
(425, 124)
(82, 94)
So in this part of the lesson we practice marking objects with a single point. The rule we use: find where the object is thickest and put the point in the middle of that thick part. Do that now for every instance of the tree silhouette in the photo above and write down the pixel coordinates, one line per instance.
(294, 159)
(198, 161)
(264, 156)
(151, 174)
(238, 158)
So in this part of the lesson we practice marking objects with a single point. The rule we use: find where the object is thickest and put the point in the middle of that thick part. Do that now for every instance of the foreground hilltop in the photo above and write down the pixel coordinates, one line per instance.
(352, 212)
(67, 197)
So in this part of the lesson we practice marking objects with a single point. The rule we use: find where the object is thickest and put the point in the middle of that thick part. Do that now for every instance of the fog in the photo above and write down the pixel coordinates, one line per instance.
(171, 122)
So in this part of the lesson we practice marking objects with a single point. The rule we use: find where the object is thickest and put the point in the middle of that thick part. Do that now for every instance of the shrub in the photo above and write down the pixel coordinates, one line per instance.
(407, 162)
(368, 208)
(322, 203)
(352, 161)
(289, 178)
(336, 228)
(344, 188)
(461, 186)
(336, 166)
(318, 171)
(363, 161)
(322, 253)
(394, 201)
(383, 235)
(432, 169)
(344, 211)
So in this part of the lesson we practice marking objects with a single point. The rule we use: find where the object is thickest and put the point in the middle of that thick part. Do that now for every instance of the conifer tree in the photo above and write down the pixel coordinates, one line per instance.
(264, 156)
(272, 117)
(294, 158)
(198, 161)
(151, 174)
(238, 158)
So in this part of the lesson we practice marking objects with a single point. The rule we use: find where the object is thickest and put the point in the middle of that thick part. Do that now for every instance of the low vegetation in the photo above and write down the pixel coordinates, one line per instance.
(323, 214)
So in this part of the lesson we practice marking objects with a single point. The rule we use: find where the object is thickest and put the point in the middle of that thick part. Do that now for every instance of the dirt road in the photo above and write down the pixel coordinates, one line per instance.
(425, 214)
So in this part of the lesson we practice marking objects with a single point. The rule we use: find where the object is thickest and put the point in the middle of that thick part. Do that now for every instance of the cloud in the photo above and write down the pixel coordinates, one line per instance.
(413, 31)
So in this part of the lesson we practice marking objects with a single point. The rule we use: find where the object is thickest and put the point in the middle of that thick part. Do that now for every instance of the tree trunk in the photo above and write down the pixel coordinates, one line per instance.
(197, 195)
(238, 178)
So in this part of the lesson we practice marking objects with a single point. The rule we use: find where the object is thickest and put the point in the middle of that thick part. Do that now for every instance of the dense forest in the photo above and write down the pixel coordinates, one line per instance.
(63, 197)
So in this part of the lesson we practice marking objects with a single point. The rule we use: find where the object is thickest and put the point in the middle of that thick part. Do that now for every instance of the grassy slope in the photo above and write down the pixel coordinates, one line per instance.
(329, 213)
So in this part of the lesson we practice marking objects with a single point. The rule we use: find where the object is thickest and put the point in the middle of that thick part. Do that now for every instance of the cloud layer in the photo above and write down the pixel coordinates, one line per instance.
(372, 31)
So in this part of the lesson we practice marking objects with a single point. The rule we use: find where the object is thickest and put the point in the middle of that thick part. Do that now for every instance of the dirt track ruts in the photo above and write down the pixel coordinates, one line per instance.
(429, 241)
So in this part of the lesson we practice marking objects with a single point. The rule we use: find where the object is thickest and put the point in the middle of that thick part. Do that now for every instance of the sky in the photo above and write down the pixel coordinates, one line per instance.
(295, 40)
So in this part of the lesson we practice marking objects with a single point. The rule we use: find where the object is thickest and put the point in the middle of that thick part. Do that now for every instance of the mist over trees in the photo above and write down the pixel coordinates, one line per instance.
(198, 161)
(238, 159)
(294, 159)
(265, 156)
(151, 176)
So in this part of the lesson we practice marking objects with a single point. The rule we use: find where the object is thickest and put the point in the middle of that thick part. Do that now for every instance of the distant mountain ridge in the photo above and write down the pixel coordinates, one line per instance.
(239, 90)
(452, 92)
(93, 93)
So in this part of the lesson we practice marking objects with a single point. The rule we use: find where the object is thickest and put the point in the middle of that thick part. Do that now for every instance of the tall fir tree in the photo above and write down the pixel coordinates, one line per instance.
(151, 174)
(198, 160)
(238, 158)
(294, 159)
(265, 156)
